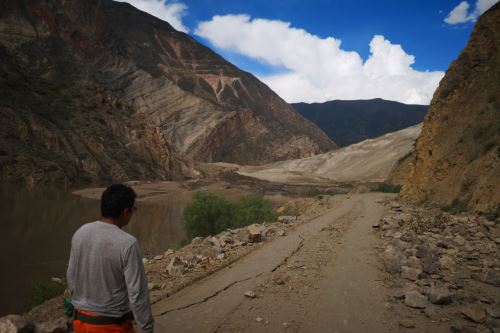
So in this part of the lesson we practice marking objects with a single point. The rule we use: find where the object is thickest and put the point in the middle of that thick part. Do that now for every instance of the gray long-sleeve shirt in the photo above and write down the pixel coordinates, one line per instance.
(106, 274)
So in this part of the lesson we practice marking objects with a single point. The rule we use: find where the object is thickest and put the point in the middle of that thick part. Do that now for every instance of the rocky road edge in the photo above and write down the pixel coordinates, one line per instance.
(174, 270)
(442, 269)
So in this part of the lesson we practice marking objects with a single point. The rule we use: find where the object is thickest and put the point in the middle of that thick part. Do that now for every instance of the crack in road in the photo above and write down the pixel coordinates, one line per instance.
(209, 297)
(284, 261)
(301, 244)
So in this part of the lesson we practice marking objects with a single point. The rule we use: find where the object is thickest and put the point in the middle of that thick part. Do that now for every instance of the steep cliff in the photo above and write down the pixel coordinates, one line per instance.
(457, 160)
(95, 89)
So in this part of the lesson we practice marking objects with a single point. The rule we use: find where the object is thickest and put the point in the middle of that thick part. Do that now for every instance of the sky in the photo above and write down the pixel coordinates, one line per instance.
(321, 50)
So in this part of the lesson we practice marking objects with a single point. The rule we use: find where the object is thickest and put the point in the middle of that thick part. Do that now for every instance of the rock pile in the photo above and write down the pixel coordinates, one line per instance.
(167, 272)
(174, 270)
(446, 266)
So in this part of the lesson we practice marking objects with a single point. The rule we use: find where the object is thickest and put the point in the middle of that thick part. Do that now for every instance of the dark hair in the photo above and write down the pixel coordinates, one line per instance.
(115, 199)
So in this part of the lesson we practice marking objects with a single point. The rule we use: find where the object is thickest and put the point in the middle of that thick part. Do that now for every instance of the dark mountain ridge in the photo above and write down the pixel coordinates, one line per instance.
(351, 121)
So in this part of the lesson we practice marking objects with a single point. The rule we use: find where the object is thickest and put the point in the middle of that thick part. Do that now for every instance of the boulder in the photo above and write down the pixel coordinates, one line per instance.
(153, 286)
(492, 277)
(460, 328)
(429, 259)
(287, 219)
(194, 241)
(415, 300)
(474, 313)
(215, 242)
(410, 273)
(439, 295)
(59, 325)
(176, 266)
(255, 233)
(494, 312)
(459, 240)
(392, 259)
(172, 251)
(15, 324)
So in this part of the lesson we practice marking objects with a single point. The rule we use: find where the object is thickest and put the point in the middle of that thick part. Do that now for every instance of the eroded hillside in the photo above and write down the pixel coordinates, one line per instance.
(96, 90)
(457, 160)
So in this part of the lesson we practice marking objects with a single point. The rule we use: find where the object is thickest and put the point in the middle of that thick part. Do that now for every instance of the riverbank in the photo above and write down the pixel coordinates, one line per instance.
(411, 268)
(173, 270)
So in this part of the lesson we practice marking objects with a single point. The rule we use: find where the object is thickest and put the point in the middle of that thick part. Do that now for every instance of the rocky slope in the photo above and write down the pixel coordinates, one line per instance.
(457, 161)
(348, 122)
(95, 89)
(443, 269)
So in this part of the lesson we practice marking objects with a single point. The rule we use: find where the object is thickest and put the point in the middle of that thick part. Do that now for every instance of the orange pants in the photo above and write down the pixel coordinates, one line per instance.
(81, 327)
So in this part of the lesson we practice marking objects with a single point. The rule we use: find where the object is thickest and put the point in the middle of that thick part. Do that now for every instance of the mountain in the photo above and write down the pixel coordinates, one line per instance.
(371, 160)
(96, 90)
(457, 157)
(348, 122)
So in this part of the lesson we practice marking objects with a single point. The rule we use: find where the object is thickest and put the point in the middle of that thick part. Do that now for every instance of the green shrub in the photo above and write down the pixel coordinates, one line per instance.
(488, 146)
(481, 131)
(252, 209)
(42, 292)
(492, 213)
(455, 207)
(207, 214)
(387, 188)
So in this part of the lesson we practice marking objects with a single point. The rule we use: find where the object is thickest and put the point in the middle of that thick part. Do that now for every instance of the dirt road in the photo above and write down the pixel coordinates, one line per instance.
(322, 277)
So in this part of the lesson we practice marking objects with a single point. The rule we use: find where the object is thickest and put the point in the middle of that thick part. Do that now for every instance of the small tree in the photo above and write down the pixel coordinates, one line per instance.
(252, 209)
(208, 214)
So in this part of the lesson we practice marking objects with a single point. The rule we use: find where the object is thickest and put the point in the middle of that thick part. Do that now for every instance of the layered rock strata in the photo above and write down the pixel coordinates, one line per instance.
(95, 90)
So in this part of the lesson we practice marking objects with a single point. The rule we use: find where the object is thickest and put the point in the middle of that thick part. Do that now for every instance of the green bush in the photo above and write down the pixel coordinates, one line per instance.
(253, 209)
(387, 188)
(455, 207)
(207, 214)
(42, 292)
(492, 213)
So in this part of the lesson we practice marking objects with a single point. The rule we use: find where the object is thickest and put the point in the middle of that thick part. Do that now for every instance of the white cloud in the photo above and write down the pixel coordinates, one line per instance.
(318, 69)
(170, 11)
(461, 14)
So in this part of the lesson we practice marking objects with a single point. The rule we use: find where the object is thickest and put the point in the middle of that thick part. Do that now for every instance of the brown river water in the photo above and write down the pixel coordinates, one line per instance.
(36, 230)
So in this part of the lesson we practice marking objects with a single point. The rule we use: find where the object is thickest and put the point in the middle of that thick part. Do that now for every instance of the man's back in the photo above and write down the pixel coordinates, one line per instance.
(106, 273)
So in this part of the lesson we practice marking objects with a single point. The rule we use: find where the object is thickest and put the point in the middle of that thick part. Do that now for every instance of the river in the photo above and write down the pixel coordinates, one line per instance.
(37, 227)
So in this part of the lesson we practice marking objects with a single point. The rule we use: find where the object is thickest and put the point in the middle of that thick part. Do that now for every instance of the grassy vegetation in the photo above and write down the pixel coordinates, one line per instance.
(421, 225)
(492, 213)
(209, 214)
(326, 192)
(42, 292)
(253, 209)
(488, 146)
(455, 207)
(481, 131)
(387, 188)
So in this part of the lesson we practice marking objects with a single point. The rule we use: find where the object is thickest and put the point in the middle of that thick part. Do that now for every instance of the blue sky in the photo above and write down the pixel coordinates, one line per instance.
(319, 50)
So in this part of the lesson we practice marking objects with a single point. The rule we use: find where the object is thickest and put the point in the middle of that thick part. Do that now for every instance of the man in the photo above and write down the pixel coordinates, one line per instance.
(106, 278)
